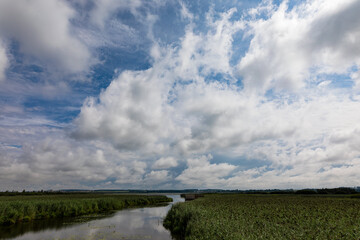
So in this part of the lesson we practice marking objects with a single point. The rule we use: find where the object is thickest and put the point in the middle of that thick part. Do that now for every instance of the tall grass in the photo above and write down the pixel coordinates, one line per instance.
(26, 208)
(237, 216)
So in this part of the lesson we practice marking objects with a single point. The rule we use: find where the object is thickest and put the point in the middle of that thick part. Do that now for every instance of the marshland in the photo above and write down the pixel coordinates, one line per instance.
(266, 216)
(84, 216)
(308, 214)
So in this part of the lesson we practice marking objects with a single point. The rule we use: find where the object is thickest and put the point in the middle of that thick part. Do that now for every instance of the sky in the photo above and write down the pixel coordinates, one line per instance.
(135, 94)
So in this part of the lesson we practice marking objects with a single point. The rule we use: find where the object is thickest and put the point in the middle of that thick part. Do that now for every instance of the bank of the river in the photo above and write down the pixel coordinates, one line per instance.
(132, 224)
(241, 216)
(27, 208)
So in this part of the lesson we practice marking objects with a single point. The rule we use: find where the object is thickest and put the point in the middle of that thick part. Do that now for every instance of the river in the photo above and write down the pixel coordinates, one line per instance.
(135, 223)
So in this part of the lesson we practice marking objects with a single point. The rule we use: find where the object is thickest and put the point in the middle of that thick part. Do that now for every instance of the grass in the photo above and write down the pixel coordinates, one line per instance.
(27, 208)
(241, 216)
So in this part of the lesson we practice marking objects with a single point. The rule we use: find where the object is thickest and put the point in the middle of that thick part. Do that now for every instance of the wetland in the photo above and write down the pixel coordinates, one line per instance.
(132, 222)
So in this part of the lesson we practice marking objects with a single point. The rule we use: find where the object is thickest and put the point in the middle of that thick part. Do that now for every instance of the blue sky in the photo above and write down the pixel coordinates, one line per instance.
(179, 94)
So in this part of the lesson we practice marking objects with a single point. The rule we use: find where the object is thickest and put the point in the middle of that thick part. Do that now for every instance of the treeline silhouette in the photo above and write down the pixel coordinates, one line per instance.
(34, 193)
(340, 190)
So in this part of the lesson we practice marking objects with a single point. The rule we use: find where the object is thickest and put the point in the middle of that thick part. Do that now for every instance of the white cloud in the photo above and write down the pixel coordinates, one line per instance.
(136, 113)
(156, 177)
(132, 174)
(4, 62)
(208, 53)
(302, 138)
(152, 112)
(201, 173)
(222, 118)
(164, 163)
(53, 159)
(132, 113)
(43, 30)
(313, 37)
(310, 177)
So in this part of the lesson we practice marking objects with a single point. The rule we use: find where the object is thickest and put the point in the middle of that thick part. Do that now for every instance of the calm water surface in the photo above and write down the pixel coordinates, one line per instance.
(139, 223)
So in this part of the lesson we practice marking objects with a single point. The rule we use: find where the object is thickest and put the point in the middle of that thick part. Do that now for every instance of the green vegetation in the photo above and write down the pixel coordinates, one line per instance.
(242, 216)
(26, 208)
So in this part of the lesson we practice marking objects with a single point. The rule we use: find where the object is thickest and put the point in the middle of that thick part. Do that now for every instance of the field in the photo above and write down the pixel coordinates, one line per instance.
(26, 208)
(242, 216)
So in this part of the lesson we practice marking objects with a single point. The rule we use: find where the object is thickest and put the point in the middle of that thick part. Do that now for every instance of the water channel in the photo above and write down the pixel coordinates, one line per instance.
(136, 223)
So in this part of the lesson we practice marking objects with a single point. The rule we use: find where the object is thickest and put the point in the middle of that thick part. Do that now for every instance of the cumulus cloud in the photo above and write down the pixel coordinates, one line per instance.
(199, 171)
(58, 161)
(165, 163)
(67, 160)
(43, 30)
(132, 174)
(147, 124)
(222, 118)
(136, 112)
(173, 109)
(210, 52)
(156, 177)
(265, 178)
(289, 46)
(131, 113)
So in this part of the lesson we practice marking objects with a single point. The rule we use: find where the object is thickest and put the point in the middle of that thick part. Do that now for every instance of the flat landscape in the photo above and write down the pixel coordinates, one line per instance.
(266, 216)
(252, 103)
(20, 208)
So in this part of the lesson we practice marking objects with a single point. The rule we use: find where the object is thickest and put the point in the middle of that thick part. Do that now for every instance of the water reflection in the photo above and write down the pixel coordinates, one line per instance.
(140, 223)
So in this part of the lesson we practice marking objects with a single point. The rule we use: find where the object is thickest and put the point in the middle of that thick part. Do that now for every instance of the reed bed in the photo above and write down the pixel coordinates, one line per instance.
(241, 216)
(27, 208)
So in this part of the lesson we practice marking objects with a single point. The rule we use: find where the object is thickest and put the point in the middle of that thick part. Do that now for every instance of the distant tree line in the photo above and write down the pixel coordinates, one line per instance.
(31, 193)
(340, 190)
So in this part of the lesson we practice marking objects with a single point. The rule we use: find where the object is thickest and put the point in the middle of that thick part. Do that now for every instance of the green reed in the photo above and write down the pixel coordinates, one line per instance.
(26, 208)
(240, 216)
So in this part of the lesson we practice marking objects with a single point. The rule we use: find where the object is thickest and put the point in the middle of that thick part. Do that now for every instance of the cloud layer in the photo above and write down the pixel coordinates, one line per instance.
(293, 45)
(281, 113)
(43, 30)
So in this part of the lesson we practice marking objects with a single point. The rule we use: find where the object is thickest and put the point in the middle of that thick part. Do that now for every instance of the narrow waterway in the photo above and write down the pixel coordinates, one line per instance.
(137, 223)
